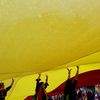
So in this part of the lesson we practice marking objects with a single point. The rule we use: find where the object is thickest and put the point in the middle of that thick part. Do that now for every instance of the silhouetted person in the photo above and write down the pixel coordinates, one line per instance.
(3, 90)
(69, 90)
(41, 89)
(79, 95)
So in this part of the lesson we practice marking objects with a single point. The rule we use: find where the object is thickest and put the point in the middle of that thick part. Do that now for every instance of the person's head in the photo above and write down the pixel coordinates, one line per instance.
(1, 85)
(79, 95)
(42, 85)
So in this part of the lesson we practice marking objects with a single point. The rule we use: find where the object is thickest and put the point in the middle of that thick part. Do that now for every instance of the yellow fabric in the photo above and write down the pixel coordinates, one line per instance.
(43, 35)
(25, 86)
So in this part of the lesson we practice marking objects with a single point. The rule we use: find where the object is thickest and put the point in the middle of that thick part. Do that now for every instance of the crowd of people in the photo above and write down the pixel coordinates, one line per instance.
(69, 92)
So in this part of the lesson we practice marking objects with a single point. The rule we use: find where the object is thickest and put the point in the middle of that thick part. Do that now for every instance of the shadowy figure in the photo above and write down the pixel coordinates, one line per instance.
(79, 95)
(69, 90)
(3, 90)
(41, 89)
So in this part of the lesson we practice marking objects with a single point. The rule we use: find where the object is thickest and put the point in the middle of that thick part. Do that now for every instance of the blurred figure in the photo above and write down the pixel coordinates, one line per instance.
(41, 89)
(90, 92)
(3, 90)
(89, 96)
(69, 90)
(79, 95)
(85, 95)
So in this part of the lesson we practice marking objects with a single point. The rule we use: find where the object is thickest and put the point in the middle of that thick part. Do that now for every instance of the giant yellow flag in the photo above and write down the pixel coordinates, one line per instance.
(39, 36)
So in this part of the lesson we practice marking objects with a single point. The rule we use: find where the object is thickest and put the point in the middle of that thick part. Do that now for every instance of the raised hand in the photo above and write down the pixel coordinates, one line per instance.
(69, 71)
(39, 75)
(46, 78)
(12, 82)
(77, 67)
(77, 72)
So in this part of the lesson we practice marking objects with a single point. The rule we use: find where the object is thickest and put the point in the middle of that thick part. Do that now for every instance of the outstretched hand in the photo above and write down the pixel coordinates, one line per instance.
(12, 80)
(39, 75)
(46, 78)
(76, 76)
(77, 67)
(69, 70)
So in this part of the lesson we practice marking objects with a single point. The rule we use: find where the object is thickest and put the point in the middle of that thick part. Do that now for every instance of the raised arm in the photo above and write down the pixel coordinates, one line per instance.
(39, 75)
(9, 87)
(38, 79)
(37, 83)
(12, 82)
(69, 73)
(46, 82)
(46, 79)
(77, 72)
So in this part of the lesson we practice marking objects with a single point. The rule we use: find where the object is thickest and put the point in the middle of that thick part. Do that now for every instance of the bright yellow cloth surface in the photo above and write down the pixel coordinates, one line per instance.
(42, 35)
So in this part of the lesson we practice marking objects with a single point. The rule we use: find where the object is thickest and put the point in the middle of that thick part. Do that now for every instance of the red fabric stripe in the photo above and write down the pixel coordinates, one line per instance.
(90, 78)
